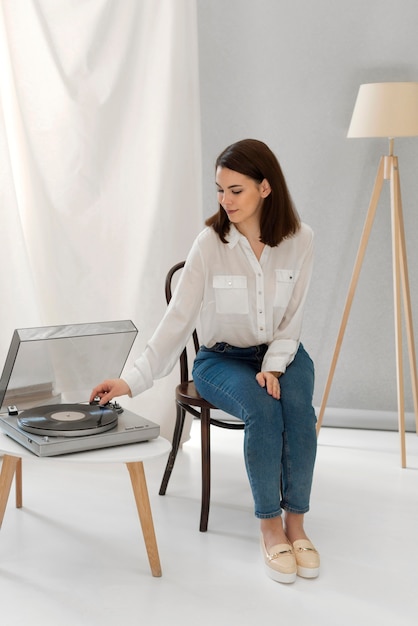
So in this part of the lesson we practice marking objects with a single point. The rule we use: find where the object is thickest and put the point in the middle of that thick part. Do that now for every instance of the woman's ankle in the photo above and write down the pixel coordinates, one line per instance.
(293, 526)
(273, 531)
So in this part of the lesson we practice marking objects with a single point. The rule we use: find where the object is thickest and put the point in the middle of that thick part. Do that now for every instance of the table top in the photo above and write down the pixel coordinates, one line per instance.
(127, 453)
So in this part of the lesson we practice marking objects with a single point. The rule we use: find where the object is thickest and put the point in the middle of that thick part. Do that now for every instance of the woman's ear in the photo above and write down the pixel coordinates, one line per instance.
(265, 188)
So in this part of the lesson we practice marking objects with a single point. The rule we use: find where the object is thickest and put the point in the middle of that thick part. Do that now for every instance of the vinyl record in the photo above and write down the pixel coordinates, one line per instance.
(67, 420)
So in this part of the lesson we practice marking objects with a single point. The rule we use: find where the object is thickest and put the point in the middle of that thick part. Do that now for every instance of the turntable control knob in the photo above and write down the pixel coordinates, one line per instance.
(45, 438)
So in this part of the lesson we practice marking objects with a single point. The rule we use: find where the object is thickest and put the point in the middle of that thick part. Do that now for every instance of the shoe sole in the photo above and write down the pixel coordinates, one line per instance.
(308, 572)
(280, 577)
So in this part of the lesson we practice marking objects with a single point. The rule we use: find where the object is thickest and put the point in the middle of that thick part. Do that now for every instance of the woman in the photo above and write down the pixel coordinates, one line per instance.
(246, 279)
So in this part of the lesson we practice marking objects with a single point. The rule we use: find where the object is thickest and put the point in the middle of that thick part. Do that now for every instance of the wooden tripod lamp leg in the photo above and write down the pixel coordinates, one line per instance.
(396, 264)
(406, 295)
(353, 284)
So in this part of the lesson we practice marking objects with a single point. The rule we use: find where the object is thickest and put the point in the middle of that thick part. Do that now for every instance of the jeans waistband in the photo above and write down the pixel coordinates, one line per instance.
(225, 348)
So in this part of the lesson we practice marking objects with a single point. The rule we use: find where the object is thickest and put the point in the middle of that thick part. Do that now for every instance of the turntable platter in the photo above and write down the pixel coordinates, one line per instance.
(68, 420)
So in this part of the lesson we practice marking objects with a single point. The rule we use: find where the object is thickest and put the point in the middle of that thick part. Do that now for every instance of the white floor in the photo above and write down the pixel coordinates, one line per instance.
(74, 554)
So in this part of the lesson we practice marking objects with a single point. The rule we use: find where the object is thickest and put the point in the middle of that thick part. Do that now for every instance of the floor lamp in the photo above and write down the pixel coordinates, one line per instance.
(385, 110)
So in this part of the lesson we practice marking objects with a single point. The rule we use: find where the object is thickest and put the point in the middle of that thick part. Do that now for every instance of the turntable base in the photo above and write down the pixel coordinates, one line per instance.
(131, 455)
(130, 428)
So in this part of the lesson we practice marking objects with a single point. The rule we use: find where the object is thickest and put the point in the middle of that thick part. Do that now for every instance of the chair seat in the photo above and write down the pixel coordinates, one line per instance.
(188, 396)
(187, 393)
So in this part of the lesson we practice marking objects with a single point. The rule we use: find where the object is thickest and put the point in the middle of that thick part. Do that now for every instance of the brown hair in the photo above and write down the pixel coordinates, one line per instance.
(279, 218)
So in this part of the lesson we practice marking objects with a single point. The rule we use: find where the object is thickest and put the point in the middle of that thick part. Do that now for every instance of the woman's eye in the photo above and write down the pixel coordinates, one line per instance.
(234, 192)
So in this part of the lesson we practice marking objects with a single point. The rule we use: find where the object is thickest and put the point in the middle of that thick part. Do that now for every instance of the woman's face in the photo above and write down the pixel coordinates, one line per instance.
(241, 197)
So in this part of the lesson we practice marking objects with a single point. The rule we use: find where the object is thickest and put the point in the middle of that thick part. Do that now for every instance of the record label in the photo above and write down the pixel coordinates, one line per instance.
(67, 416)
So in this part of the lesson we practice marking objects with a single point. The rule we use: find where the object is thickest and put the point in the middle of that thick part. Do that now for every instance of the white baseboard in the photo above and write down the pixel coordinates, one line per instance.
(353, 418)
(367, 419)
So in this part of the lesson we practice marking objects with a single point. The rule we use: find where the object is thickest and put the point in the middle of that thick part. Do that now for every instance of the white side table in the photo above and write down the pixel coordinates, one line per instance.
(132, 455)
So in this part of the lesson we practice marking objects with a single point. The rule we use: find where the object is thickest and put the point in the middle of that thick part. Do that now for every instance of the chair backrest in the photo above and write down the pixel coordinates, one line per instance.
(184, 362)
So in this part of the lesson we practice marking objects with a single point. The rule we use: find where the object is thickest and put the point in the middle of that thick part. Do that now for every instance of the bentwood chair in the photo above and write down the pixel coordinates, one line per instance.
(189, 401)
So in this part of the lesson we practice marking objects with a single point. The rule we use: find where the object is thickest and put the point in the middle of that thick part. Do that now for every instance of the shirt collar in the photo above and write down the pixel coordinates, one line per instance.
(233, 236)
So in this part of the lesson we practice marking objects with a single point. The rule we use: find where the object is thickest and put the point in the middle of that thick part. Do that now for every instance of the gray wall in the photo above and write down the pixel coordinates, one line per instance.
(288, 73)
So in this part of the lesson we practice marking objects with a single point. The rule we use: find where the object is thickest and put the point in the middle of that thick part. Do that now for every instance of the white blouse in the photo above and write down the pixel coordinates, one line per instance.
(234, 298)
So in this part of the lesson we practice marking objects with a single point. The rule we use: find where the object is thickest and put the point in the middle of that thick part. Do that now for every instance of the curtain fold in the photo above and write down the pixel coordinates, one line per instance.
(100, 170)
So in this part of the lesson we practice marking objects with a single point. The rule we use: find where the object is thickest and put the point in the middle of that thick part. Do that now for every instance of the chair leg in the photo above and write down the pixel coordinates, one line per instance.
(205, 443)
(178, 431)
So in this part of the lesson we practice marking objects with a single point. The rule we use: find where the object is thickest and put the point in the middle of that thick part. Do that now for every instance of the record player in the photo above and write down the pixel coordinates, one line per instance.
(46, 382)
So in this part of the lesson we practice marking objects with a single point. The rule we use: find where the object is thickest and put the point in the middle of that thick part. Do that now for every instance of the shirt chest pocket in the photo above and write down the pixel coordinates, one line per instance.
(231, 294)
(285, 282)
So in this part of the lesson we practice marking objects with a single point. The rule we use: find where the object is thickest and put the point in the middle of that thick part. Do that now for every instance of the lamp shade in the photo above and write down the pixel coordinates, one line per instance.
(385, 110)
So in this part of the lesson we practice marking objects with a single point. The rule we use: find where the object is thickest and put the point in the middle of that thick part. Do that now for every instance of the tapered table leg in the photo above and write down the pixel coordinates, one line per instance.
(11, 466)
(139, 485)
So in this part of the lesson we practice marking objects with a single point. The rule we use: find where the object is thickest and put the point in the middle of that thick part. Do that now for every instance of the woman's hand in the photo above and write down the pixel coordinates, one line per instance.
(109, 389)
(270, 381)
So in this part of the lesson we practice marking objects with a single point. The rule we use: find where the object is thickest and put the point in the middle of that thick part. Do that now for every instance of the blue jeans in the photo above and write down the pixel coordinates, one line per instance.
(279, 435)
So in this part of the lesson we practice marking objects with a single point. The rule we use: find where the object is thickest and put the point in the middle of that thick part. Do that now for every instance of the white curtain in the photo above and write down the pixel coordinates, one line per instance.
(99, 164)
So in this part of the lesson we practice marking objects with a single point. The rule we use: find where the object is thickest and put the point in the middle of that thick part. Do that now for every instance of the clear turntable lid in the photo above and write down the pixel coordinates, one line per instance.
(54, 364)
